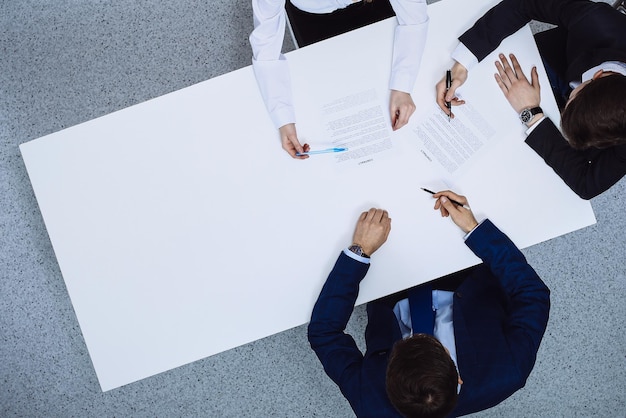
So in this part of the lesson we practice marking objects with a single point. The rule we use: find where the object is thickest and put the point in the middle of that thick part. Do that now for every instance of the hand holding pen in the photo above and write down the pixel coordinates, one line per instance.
(455, 206)
(446, 88)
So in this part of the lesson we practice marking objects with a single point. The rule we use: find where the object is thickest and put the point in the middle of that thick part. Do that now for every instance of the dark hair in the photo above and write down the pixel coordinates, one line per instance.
(421, 378)
(596, 116)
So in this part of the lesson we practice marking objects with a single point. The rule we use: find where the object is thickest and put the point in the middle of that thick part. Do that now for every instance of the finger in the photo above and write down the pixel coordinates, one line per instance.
(370, 214)
(457, 102)
(451, 195)
(503, 76)
(305, 148)
(290, 150)
(517, 68)
(402, 118)
(441, 95)
(444, 212)
(394, 118)
(451, 93)
(501, 84)
(296, 144)
(384, 216)
(444, 94)
(534, 77)
(507, 68)
(448, 205)
(454, 101)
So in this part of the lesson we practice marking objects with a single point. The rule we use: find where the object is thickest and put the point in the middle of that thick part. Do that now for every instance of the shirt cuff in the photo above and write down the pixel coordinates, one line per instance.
(532, 128)
(353, 256)
(473, 229)
(464, 56)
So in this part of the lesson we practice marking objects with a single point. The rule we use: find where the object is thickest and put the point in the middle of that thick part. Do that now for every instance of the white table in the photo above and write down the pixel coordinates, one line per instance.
(182, 229)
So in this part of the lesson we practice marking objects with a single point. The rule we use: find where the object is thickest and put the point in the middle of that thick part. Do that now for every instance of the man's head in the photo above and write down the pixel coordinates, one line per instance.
(595, 115)
(421, 378)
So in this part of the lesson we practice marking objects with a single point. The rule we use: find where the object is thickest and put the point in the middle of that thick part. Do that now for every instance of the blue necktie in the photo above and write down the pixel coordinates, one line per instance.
(421, 305)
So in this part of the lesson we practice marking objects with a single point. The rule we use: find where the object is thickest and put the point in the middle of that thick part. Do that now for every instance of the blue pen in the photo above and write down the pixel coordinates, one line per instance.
(322, 151)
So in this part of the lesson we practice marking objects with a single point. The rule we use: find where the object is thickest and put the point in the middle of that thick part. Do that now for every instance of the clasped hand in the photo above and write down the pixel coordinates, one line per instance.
(372, 230)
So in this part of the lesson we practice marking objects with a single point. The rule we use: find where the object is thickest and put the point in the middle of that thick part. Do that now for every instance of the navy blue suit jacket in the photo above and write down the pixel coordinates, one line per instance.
(500, 313)
(588, 34)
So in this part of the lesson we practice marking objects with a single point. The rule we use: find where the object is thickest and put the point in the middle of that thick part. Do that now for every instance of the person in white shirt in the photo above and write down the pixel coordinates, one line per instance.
(272, 71)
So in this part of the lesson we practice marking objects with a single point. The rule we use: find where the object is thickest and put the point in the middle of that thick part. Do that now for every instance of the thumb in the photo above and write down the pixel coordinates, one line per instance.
(534, 77)
(451, 93)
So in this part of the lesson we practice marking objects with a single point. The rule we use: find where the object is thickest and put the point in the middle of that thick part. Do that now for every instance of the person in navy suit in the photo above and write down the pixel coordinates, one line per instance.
(437, 352)
(585, 60)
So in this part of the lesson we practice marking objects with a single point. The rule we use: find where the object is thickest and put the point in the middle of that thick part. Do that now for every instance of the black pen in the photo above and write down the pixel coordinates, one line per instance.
(448, 85)
(453, 201)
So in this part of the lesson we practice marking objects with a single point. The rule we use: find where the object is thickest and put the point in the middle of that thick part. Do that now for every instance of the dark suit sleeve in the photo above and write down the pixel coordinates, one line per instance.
(588, 172)
(336, 350)
(529, 297)
(508, 16)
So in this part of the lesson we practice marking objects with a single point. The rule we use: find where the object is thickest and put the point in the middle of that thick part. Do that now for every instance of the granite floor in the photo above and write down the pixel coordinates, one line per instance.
(66, 62)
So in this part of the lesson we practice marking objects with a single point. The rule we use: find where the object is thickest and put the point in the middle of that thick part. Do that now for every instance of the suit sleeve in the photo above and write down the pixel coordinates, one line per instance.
(508, 16)
(588, 172)
(529, 297)
(336, 350)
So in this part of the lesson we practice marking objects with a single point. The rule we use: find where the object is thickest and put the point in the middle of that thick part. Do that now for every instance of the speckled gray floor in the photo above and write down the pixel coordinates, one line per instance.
(65, 62)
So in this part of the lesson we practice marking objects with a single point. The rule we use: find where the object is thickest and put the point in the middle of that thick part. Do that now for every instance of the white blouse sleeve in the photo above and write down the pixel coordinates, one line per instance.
(409, 43)
(321, 6)
(269, 64)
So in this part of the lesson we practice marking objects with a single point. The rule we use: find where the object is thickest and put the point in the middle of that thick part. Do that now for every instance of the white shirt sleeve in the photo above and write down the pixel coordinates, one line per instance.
(464, 56)
(321, 6)
(353, 256)
(409, 42)
(532, 128)
(269, 64)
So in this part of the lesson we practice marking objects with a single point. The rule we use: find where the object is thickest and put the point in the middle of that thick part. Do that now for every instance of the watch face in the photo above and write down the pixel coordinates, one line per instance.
(356, 249)
(525, 116)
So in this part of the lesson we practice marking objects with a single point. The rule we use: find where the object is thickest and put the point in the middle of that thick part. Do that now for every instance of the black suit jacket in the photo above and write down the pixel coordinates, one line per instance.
(588, 34)
(500, 313)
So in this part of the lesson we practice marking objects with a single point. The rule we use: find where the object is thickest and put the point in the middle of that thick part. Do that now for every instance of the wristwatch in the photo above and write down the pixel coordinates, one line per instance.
(527, 114)
(358, 250)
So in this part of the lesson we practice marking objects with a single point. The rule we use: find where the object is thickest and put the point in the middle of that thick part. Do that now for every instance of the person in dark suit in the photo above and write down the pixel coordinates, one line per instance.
(585, 59)
(434, 353)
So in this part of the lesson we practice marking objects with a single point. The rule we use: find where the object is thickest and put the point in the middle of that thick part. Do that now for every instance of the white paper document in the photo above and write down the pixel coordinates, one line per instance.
(453, 144)
(357, 122)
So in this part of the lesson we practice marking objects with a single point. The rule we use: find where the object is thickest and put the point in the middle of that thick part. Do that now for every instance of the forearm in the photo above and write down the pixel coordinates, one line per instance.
(274, 83)
(508, 16)
(336, 300)
(270, 66)
(336, 350)
(588, 173)
(529, 297)
(409, 43)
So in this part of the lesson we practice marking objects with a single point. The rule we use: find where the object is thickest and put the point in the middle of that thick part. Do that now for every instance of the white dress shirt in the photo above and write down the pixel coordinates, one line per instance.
(443, 302)
(271, 68)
